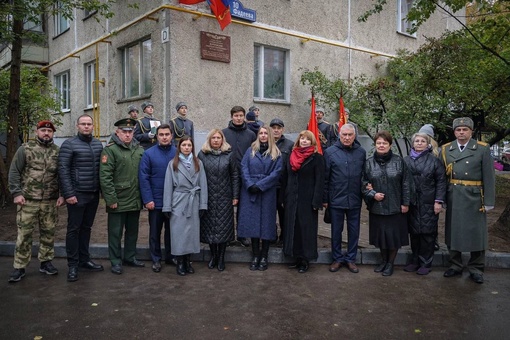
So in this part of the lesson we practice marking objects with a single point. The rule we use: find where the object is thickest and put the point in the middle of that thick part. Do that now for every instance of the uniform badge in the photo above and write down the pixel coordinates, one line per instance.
(104, 159)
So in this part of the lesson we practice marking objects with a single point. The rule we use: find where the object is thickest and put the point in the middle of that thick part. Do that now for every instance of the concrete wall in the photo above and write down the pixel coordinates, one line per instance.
(211, 88)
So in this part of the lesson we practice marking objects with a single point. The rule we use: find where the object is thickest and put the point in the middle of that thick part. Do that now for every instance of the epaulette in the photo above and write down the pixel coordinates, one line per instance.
(482, 143)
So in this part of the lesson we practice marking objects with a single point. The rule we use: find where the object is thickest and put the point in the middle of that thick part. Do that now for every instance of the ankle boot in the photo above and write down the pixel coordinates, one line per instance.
(255, 248)
(388, 270)
(189, 268)
(181, 268)
(265, 251)
(222, 247)
(214, 255)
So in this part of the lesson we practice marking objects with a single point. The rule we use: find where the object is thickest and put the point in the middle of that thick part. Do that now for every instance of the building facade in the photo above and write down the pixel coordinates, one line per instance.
(165, 53)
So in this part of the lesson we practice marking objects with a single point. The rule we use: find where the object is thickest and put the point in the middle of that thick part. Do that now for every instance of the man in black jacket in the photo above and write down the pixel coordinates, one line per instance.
(79, 184)
(240, 138)
(345, 161)
(285, 146)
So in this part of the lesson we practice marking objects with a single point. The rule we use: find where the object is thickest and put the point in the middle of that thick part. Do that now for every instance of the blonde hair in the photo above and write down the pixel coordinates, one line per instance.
(272, 149)
(309, 135)
(432, 143)
(206, 148)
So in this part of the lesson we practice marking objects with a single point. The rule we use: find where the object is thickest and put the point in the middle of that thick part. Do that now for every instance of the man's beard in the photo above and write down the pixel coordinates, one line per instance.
(45, 142)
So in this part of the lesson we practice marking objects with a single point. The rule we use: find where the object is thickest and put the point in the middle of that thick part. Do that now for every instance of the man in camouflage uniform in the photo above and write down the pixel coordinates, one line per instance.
(118, 175)
(33, 182)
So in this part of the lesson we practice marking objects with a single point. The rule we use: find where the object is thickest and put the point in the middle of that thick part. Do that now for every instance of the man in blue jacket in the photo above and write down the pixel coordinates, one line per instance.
(345, 161)
(152, 179)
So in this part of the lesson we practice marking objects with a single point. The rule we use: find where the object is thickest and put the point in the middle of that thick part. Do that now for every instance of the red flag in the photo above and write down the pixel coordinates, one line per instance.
(221, 9)
(190, 2)
(341, 115)
(312, 125)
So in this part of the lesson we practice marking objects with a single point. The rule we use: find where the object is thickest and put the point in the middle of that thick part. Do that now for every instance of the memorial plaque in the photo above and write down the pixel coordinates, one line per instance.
(215, 47)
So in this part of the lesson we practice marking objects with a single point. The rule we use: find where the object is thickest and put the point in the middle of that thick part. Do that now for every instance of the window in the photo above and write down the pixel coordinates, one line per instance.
(403, 9)
(63, 90)
(61, 24)
(271, 74)
(136, 69)
(90, 76)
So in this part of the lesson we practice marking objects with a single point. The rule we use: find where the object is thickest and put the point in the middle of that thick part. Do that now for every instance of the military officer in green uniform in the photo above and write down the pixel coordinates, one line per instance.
(118, 174)
(471, 193)
(33, 182)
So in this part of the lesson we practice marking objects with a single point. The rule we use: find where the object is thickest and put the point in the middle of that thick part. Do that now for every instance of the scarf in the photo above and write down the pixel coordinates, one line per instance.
(415, 154)
(186, 160)
(299, 155)
(382, 159)
(263, 148)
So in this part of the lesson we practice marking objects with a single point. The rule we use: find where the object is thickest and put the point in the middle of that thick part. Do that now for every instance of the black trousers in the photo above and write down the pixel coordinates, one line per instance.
(156, 223)
(80, 217)
(422, 246)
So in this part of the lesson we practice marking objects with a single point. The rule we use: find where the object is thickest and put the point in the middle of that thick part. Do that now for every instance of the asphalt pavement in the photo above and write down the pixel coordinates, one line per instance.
(279, 303)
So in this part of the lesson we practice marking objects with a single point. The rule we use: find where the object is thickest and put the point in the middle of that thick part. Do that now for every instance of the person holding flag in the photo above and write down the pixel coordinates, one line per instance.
(314, 125)
(343, 118)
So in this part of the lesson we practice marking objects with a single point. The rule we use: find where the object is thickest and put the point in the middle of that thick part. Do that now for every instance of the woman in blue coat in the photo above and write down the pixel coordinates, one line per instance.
(260, 173)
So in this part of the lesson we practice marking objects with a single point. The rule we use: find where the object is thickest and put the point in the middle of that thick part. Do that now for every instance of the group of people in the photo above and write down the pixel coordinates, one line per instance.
(245, 178)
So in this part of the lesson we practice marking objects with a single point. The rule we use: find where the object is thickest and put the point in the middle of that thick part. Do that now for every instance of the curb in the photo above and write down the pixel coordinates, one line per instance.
(240, 254)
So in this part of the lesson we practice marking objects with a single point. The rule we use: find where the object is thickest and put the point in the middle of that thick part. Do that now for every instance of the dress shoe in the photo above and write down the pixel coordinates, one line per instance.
(303, 267)
(91, 266)
(134, 263)
(181, 267)
(254, 264)
(335, 266)
(388, 270)
(476, 277)
(411, 267)
(72, 274)
(452, 272)
(156, 267)
(380, 267)
(352, 267)
(296, 264)
(117, 269)
(263, 263)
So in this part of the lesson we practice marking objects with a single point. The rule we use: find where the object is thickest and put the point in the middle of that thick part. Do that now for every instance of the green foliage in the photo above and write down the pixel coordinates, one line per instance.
(37, 99)
(447, 77)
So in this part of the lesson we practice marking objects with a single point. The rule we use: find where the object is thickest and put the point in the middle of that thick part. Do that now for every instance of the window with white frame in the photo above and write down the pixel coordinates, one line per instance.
(136, 69)
(61, 24)
(271, 74)
(90, 76)
(403, 9)
(63, 90)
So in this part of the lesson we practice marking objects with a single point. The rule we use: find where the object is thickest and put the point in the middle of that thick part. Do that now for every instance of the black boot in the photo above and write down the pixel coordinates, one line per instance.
(265, 252)
(214, 255)
(189, 268)
(255, 248)
(222, 247)
(181, 267)
(384, 257)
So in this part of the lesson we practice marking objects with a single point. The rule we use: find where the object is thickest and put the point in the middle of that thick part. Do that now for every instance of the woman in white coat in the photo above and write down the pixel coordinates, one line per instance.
(184, 199)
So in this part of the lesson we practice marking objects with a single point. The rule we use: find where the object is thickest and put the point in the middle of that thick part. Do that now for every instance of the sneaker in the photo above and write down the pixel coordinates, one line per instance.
(48, 268)
(17, 274)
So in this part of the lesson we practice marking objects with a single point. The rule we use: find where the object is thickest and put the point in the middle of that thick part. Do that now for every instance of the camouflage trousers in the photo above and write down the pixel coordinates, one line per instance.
(35, 212)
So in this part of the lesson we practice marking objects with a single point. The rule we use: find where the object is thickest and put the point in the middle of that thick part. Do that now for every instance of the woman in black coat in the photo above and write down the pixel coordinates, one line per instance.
(223, 182)
(387, 193)
(430, 191)
(303, 185)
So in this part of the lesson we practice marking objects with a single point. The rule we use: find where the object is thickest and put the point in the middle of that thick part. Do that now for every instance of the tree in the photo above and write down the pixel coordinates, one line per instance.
(13, 17)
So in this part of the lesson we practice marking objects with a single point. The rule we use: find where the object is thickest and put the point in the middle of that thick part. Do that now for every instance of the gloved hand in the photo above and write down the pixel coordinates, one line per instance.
(201, 212)
(166, 214)
(151, 135)
(254, 189)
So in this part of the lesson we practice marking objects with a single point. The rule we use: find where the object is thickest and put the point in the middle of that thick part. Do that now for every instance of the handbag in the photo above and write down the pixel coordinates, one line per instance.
(327, 216)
